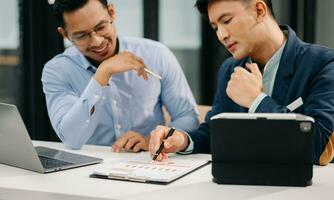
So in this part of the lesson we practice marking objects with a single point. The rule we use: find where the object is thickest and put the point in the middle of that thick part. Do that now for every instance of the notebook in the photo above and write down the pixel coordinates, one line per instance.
(142, 169)
(262, 149)
(16, 148)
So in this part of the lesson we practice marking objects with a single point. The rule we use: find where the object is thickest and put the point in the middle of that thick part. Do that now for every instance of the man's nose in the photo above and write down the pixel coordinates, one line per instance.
(96, 39)
(222, 34)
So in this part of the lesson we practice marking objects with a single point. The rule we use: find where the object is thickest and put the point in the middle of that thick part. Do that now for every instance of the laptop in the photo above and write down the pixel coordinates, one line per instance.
(262, 149)
(16, 148)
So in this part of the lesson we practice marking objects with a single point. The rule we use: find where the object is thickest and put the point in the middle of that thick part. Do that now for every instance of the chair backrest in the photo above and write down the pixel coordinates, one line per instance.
(203, 109)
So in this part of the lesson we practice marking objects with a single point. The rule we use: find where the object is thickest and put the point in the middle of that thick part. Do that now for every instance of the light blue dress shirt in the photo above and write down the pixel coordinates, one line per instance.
(83, 112)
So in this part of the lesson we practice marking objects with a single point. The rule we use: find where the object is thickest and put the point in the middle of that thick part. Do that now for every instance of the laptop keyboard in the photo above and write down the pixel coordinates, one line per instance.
(49, 163)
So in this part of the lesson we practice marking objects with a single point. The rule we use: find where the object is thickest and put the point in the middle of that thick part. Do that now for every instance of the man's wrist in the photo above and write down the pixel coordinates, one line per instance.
(189, 145)
(102, 76)
(186, 141)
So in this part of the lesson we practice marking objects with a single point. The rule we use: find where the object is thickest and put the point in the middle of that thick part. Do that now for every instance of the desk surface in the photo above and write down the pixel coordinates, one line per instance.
(17, 183)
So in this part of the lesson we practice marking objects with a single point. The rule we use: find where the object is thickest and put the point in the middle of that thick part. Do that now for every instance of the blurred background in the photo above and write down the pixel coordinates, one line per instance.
(28, 39)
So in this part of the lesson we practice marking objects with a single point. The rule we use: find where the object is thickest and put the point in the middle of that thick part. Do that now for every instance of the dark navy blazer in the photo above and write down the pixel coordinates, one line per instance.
(305, 70)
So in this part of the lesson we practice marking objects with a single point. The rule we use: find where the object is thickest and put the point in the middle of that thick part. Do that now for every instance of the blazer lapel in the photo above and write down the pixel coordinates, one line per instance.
(286, 67)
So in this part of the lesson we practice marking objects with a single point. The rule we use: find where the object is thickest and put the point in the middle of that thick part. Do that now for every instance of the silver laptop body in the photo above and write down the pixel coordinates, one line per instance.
(16, 148)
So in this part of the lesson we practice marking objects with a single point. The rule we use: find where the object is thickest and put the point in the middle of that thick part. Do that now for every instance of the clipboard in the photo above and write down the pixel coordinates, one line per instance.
(146, 171)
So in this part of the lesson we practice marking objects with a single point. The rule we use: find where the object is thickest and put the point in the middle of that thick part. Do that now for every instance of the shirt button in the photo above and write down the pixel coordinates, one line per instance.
(103, 98)
(96, 96)
(118, 126)
(115, 102)
(87, 121)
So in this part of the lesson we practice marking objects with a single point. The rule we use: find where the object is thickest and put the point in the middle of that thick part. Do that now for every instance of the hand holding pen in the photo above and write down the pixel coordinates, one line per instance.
(168, 140)
(245, 86)
(170, 132)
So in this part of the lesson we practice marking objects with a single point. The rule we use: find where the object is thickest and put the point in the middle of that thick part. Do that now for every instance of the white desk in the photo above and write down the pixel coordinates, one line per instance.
(75, 184)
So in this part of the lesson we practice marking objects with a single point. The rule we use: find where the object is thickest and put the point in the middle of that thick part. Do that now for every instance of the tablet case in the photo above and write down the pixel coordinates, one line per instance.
(262, 151)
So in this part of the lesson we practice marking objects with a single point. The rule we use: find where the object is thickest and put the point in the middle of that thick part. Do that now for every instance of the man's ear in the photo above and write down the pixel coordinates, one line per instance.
(62, 32)
(111, 11)
(261, 10)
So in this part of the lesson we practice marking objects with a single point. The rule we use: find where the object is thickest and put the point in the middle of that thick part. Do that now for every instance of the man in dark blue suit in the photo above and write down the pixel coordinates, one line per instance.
(272, 71)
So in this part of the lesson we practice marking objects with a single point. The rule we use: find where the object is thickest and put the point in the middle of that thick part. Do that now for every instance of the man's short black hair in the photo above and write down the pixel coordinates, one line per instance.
(62, 6)
(202, 5)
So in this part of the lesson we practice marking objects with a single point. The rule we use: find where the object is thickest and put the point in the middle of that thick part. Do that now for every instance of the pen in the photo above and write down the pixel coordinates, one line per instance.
(153, 74)
(250, 62)
(170, 132)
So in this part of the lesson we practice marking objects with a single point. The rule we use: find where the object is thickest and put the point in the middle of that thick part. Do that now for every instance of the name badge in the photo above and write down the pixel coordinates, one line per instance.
(295, 104)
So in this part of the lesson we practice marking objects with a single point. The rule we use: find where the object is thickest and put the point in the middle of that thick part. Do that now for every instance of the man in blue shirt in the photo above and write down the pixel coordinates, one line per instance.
(98, 91)
(272, 71)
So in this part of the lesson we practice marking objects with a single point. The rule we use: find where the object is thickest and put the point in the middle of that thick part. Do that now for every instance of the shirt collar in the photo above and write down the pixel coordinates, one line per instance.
(274, 60)
(84, 62)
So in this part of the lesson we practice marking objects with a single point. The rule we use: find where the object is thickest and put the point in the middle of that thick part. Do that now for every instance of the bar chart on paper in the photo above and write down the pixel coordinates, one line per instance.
(142, 169)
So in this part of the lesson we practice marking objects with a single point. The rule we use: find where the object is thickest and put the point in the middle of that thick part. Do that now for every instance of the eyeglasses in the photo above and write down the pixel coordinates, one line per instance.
(84, 38)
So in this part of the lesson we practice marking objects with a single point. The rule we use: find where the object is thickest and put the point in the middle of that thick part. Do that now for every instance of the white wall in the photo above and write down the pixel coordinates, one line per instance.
(325, 23)
(179, 24)
(129, 17)
(9, 26)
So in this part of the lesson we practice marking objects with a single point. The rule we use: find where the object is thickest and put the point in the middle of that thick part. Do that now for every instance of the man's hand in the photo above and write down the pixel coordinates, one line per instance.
(131, 141)
(179, 141)
(119, 63)
(244, 87)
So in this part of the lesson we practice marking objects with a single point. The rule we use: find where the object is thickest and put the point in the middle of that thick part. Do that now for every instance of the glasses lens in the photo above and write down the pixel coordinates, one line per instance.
(84, 38)
(80, 39)
(103, 29)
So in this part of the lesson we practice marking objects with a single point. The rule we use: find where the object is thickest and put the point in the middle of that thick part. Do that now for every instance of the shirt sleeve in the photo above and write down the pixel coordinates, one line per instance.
(73, 116)
(256, 103)
(176, 94)
(190, 147)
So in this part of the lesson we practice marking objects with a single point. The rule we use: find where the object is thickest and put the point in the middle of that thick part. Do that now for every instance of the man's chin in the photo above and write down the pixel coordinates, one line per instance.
(100, 57)
(238, 56)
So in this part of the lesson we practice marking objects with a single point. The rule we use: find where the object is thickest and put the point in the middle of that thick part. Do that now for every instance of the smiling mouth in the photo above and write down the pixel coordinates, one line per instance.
(101, 50)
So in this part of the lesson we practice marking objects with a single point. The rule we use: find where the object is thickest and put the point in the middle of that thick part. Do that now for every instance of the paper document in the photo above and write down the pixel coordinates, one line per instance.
(142, 169)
